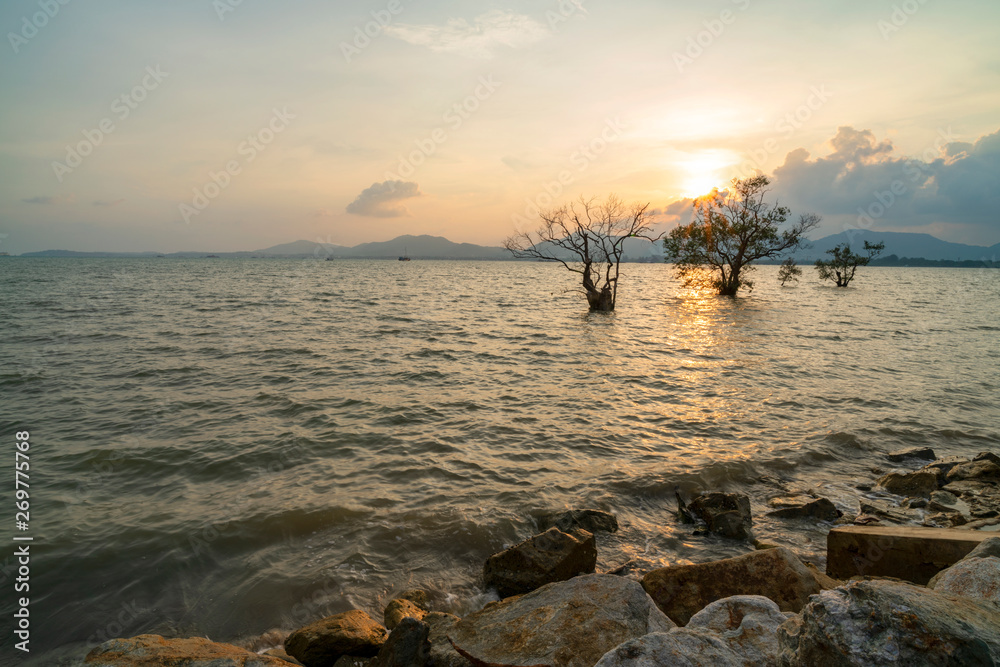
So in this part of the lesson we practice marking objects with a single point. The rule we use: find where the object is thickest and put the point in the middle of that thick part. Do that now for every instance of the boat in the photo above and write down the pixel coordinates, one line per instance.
(405, 257)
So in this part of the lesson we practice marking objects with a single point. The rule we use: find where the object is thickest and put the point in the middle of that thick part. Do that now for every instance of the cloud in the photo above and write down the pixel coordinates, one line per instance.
(377, 201)
(480, 39)
(863, 183)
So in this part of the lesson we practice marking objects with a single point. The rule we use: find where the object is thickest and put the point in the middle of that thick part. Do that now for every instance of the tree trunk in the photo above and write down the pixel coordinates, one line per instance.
(602, 301)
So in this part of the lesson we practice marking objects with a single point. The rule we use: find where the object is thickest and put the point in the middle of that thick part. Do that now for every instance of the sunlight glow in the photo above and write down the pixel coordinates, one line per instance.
(704, 171)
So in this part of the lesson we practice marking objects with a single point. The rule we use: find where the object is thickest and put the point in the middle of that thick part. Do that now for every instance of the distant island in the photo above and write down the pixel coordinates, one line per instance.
(902, 249)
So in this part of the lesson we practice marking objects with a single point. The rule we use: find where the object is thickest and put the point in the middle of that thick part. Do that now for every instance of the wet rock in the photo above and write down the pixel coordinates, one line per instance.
(592, 521)
(144, 650)
(915, 503)
(682, 591)
(545, 558)
(726, 514)
(983, 470)
(909, 484)
(889, 623)
(399, 609)
(986, 548)
(819, 508)
(746, 624)
(570, 623)
(942, 467)
(443, 654)
(353, 633)
(407, 646)
(885, 511)
(900, 455)
(281, 655)
(987, 456)
(683, 649)
(637, 568)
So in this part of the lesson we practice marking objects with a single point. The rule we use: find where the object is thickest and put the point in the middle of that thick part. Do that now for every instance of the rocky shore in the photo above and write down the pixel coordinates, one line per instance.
(766, 607)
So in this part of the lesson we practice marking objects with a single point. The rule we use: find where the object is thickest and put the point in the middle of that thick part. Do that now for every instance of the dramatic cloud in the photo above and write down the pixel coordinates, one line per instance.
(477, 40)
(379, 201)
(951, 184)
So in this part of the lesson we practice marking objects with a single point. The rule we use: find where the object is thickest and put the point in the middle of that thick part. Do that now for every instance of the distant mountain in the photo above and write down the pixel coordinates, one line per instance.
(901, 244)
(425, 247)
(437, 247)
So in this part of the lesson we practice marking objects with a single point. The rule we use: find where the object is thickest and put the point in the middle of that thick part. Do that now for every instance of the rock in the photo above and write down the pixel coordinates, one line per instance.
(592, 521)
(915, 503)
(909, 484)
(415, 595)
(889, 623)
(637, 568)
(353, 633)
(820, 508)
(726, 514)
(542, 559)
(683, 590)
(399, 609)
(988, 547)
(983, 470)
(987, 456)
(885, 511)
(746, 624)
(281, 655)
(146, 650)
(900, 455)
(570, 623)
(942, 467)
(407, 645)
(906, 552)
(977, 578)
(676, 649)
(443, 654)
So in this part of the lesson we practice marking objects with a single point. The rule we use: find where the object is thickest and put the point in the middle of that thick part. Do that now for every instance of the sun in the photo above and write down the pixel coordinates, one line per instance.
(703, 171)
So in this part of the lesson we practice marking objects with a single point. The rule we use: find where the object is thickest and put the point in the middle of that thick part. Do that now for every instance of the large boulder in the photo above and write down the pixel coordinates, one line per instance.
(146, 650)
(726, 514)
(571, 623)
(407, 645)
(592, 521)
(976, 576)
(682, 591)
(909, 484)
(322, 643)
(543, 559)
(891, 623)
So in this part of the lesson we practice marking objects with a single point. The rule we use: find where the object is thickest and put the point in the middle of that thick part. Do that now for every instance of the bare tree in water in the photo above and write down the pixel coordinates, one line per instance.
(588, 238)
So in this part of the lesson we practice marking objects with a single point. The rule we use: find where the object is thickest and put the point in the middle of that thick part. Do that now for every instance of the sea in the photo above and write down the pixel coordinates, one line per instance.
(227, 447)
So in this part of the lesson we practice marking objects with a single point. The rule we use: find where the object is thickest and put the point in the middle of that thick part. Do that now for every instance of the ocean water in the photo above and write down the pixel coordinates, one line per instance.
(224, 447)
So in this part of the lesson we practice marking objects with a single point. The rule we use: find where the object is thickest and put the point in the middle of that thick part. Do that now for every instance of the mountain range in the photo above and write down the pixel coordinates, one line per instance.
(900, 244)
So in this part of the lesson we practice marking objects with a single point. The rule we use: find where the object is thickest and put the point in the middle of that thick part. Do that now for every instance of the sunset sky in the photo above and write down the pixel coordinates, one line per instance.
(240, 124)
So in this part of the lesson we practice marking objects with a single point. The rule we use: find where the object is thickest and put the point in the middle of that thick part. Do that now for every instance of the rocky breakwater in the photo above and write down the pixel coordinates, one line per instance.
(763, 608)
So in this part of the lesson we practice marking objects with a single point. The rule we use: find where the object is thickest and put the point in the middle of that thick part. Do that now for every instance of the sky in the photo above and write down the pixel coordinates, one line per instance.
(240, 124)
